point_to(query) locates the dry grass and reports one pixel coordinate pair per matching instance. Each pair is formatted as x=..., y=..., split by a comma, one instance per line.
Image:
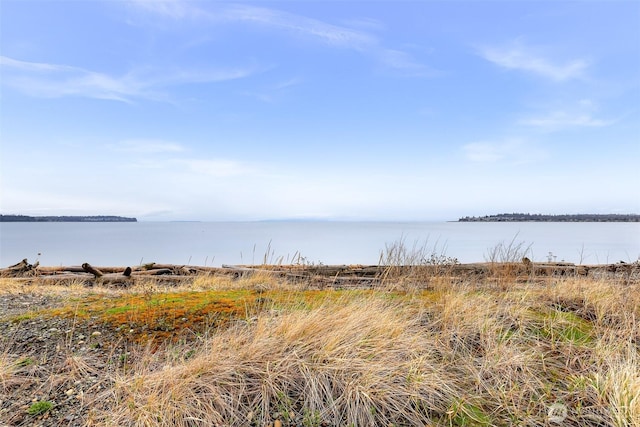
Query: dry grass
x=353, y=363
x=409, y=268
x=8, y=369
x=16, y=286
x=467, y=354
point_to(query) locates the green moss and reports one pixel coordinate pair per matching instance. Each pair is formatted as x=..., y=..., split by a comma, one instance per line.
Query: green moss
x=468, y=415
x=118, y=310
x=39, y=408
x=566, y=327
x=22, y=317
x=27, y=361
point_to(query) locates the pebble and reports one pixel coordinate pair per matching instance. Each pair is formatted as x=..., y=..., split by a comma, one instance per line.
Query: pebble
x=96, y=333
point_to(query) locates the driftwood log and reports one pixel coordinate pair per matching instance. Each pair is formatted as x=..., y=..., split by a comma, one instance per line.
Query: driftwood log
x=356, y=275
x=89, y=269
x=23, y=268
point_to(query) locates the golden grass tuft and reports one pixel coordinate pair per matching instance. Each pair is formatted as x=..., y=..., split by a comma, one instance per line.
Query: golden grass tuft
x=8, y=368
x=356, y=362
x=35, y=286
x=259, y=281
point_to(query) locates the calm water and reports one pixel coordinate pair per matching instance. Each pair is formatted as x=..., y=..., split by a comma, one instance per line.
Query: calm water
x=216, y=243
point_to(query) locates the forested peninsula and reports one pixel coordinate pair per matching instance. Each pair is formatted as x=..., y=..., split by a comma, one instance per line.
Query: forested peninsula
x=97, y=218
x=525, y=217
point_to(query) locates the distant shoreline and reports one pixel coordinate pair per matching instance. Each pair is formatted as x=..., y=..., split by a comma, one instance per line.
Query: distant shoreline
x=520, y=217
x=96, y=218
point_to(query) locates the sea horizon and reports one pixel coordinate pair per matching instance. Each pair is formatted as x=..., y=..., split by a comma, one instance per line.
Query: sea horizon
x=213, y=243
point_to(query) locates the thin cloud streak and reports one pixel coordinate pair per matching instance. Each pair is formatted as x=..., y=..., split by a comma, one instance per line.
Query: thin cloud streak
x=483, y=152
x=329, y=34
x=174, y=9
x=55, y=81
x=33, y=66
x=400, y=60
x=516, y=151
x=220, y=168
x=148, y=146
x=188, y=169
x=581, y=115
x=523, y=58
x=273, y=93
x=562, y=120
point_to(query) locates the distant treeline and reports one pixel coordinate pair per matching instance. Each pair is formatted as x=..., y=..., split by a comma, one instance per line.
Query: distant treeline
x=98, y=218
x=515, y=217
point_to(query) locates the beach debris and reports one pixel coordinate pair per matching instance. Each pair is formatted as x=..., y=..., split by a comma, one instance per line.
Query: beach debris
x=89, y=269
x=360, y=276
x=23, y=268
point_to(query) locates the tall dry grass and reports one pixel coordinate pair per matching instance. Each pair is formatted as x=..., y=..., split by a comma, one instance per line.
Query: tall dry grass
x=460, y=357
x=411, y=267
x=359, y=363
x=465, y=354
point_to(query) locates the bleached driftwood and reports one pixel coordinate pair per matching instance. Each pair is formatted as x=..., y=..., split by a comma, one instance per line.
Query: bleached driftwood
x=367, y=275
x=20, y=269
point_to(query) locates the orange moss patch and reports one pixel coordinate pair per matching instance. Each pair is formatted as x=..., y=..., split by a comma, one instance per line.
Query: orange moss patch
x=161, y=316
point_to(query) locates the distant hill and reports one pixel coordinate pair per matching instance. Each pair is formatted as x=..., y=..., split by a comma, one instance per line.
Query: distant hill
x=97, y=218
x=522, y=217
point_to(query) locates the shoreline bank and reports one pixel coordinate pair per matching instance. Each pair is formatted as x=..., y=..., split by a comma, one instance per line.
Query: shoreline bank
x=338, y=275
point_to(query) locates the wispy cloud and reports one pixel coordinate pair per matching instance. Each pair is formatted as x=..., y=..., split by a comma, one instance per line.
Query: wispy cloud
x=400, y=60
x=190, y=174
x=518, y=56
x=34, y=66
x=273, y=93
x=578, y=116
x=365, y=23
x=516, y=151
x=339, y=36
x=174, y=9
x=220, y=168
x=173, y=158
x=219, y=12
x=56, y=80
x=483, y=152
x=327, y=33
x=148, y=146
x=189, y=171
x=562, y=119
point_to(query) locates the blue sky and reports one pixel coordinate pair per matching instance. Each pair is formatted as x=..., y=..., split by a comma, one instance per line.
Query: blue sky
x=383, y=110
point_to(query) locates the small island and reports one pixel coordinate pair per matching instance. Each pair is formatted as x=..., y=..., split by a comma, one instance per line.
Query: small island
x=96, y=218
x=525, y=217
